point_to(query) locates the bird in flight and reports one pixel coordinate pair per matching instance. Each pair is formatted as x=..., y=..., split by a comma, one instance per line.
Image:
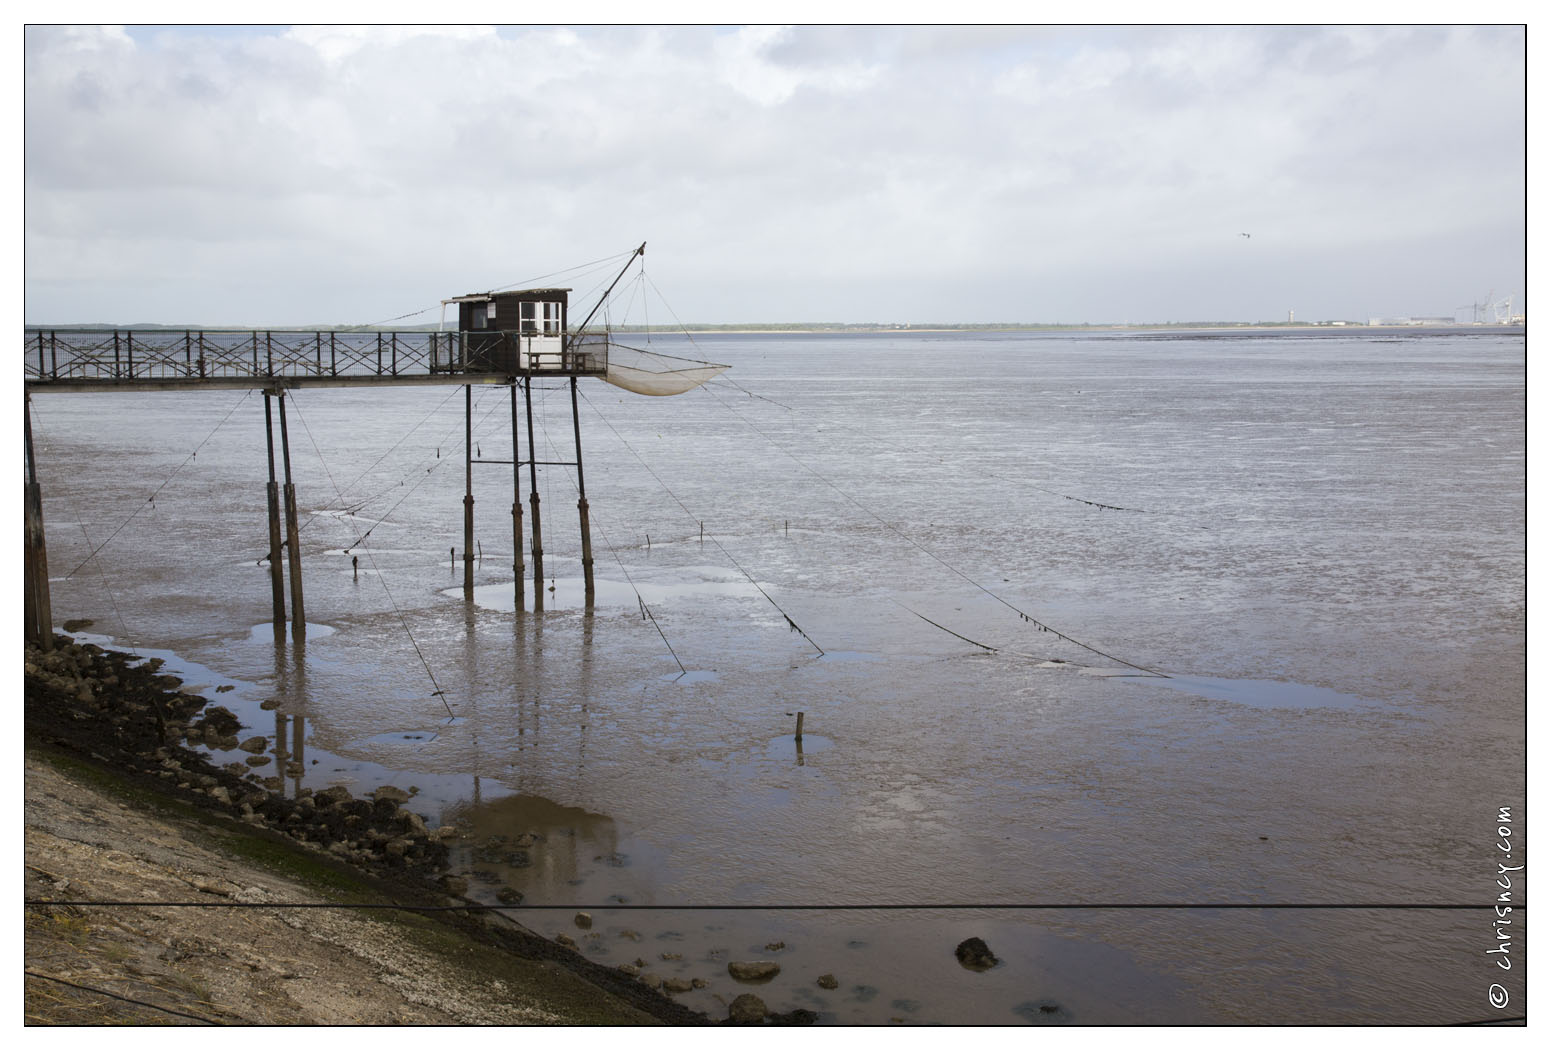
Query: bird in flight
x=1244, y=235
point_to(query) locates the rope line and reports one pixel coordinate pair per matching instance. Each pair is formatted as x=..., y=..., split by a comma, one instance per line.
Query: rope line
x=501, y=288
x=1236, y=906
x=363, y=502
x=423, y=478
x=937, y=459
x=930, y=554
x=151, y=500
x=710, y=536
x=646, y=611
x=725, y=379
x=42, y=439
x=116, y=996
x=436, y=690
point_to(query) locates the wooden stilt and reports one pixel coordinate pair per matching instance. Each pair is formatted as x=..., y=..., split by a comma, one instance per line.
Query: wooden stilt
x=272, y=492
x=292, y=533
x=39, y=611
x=518, y=569
x=581, y=504
x=533, y=500
x=468, y=493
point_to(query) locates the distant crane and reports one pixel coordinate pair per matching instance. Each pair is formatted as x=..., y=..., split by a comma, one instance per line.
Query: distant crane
x=1490, y=311
x=1477, y=310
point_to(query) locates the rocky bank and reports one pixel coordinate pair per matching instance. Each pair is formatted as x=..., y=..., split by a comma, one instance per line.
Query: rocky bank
x=120, y=808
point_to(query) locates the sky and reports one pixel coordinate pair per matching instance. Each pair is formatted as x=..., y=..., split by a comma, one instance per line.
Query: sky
x=329, y=175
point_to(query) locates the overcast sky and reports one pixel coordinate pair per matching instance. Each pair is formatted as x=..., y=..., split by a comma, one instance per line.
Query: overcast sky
x=324, y=175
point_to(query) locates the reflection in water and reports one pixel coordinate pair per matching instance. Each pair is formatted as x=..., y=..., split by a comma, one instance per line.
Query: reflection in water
x=533, y=844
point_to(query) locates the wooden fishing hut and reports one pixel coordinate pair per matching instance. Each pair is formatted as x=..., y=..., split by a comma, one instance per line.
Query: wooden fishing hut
x=503, y=338
x=524, y=334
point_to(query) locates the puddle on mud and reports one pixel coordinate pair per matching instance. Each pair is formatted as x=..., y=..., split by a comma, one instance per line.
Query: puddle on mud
x=789, y=747
x=265, y=632
x=569, y=592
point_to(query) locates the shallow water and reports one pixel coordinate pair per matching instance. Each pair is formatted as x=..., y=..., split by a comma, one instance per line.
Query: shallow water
x=1318, y=537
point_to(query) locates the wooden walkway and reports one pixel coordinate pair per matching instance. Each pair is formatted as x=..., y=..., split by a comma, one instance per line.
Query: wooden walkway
x=159, y=359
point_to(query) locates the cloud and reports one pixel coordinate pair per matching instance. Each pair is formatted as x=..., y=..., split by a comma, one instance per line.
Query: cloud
x=344, y=174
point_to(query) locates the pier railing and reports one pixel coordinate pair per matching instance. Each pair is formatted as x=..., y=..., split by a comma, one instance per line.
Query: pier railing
x=93, y=357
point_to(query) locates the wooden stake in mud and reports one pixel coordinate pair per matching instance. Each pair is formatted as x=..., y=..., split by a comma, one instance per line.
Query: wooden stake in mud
x=39, y=611
x=272, y=496
x=581, y=504
x=468, y=492
x=799, y=726
x=518, y=570
x=533, y=499
x=292, y=533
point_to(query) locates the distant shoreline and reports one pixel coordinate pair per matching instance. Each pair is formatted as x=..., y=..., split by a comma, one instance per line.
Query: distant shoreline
x=817, y=328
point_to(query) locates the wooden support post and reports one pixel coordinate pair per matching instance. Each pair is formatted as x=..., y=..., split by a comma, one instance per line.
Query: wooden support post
x=272, y=492
x=468, y=493
x=581, y=504
x=799, y=727
x=292, y=534
x=533, y=500
x=518, y=569
x=39, y=610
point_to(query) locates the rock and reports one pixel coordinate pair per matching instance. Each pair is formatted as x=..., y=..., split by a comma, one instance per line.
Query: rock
x=269, y=704
x=634, y=936
x=414, y=822
x=975, y=955
x=671, y=955
x=454, y=884
x=584, y=921
x=220, y=795
x=1043, y=1012
x=566, y=940
x=398, y=795
x=509, y=896
x=629, y=969
x=650, y=980
x=800, y=1016
x=747, y=1009
x=254, y=744
x=775, y=946
x=697, y=983
x=332, y=796
x=395, y=848
x=754, y=970
x=221, y=720
x=828, y=981
x=258, y=760
x=676, y=985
